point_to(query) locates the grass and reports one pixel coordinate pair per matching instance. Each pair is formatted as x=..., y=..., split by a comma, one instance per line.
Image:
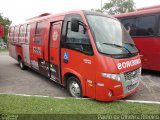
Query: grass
x=28, y=107
x=3, y=49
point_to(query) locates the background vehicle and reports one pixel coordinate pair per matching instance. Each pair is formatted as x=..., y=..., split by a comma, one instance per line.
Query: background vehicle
x=145, y=31
x=1, y=31
x=89, y=53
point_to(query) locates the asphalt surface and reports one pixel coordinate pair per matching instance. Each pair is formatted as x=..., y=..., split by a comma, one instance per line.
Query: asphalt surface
x=16, y=81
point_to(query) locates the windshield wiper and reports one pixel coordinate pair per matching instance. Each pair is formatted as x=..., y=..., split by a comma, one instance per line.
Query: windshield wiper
x=129, y=43
x=114, y=45
x=119, y=47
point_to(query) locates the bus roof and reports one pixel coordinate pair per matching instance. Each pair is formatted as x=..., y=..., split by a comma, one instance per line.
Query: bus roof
x=48, y=15
x=39, y=16
x=147, y=8
x=141, y=11
x=97, y=14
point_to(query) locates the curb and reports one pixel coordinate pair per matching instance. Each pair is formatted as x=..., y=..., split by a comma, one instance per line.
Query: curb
x=131, y=101
x=139, y=101
x=25, y=95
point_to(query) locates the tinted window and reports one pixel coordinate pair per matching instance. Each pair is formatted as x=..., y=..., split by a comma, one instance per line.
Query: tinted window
x=130, y=25
x=146, y=26
x=28, y=28
x=38, y=33
x=22, y=33
x=11, y=34
x=159, y=26
x=16, y=34
x=27, y=36
x=78, y=40
x=11, y=31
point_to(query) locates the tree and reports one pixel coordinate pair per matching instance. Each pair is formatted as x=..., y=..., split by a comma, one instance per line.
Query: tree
x=6, y=23
x=119, y=6
x=98, y=10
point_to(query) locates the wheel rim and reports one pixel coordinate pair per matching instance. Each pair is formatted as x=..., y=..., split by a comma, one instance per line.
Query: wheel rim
x=75, y=89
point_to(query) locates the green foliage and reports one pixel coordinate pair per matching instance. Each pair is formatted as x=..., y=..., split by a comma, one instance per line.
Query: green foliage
x=119, y=6
x=3, y=50
x=6, y=23
x=98, y=10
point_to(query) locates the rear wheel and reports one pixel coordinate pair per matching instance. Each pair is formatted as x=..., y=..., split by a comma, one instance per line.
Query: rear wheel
x=74, y=87
x=21, y=64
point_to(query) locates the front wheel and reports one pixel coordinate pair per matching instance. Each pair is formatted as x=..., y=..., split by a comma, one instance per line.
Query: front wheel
x=74, y=87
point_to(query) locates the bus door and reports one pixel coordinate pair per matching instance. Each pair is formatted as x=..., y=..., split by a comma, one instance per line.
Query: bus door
x=37, y=47
x=77, y=55
x=54, y=51
x=25, y=47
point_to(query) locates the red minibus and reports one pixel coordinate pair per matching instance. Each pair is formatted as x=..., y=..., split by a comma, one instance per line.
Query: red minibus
x=144, y=26
x=89, y=53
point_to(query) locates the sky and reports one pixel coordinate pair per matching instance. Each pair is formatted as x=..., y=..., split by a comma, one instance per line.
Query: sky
x=20, y=10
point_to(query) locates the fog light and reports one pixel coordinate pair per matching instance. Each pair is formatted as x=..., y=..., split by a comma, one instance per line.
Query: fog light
x=110, y=94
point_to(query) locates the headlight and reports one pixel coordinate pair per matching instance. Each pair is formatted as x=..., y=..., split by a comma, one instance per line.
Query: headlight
x=111, y=76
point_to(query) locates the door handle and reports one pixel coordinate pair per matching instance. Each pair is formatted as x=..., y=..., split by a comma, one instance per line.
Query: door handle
x=52, y=58
x=65, y=61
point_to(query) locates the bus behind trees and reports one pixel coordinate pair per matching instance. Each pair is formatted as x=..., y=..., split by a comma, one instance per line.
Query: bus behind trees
x=144, y=27
x=89, y=53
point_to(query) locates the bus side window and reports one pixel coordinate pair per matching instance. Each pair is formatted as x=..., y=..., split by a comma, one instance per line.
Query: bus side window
x=11, y=34
x=22, y=34
x=27, y=35
x=130, y=25
x=16, y=34
x=78, y=41
x=146, y=26
x=159, y=25
x=38, y=33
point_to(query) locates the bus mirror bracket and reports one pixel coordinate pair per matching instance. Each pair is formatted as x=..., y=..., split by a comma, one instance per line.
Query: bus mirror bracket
x=75, y=25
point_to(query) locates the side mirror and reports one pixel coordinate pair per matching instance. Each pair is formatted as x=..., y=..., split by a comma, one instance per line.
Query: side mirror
x=74, y=25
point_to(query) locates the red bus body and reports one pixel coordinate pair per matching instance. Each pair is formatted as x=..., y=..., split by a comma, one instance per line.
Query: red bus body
x=142, y=22
x=1, y=31
x=43, y=50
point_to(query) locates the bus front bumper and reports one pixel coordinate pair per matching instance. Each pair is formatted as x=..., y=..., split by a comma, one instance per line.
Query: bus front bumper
x=115, y=94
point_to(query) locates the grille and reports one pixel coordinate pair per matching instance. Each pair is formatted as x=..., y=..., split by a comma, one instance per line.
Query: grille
x=132, y=74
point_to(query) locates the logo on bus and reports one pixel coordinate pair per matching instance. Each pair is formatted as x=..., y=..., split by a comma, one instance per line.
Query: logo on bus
x=55, y=35
x=66, y=56
x=37, y=50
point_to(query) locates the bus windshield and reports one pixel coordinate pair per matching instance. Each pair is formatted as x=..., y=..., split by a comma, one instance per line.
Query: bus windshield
x=110, y=36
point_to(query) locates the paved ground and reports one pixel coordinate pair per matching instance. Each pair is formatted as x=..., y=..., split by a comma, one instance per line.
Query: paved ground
x=149, y=88
x=14, y=80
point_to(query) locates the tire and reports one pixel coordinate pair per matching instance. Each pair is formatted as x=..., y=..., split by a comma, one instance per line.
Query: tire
x=74, y=87
x=21, y=64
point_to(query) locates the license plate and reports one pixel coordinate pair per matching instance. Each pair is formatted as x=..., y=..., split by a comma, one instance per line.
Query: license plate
x=134, y=81
x=132, y=84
